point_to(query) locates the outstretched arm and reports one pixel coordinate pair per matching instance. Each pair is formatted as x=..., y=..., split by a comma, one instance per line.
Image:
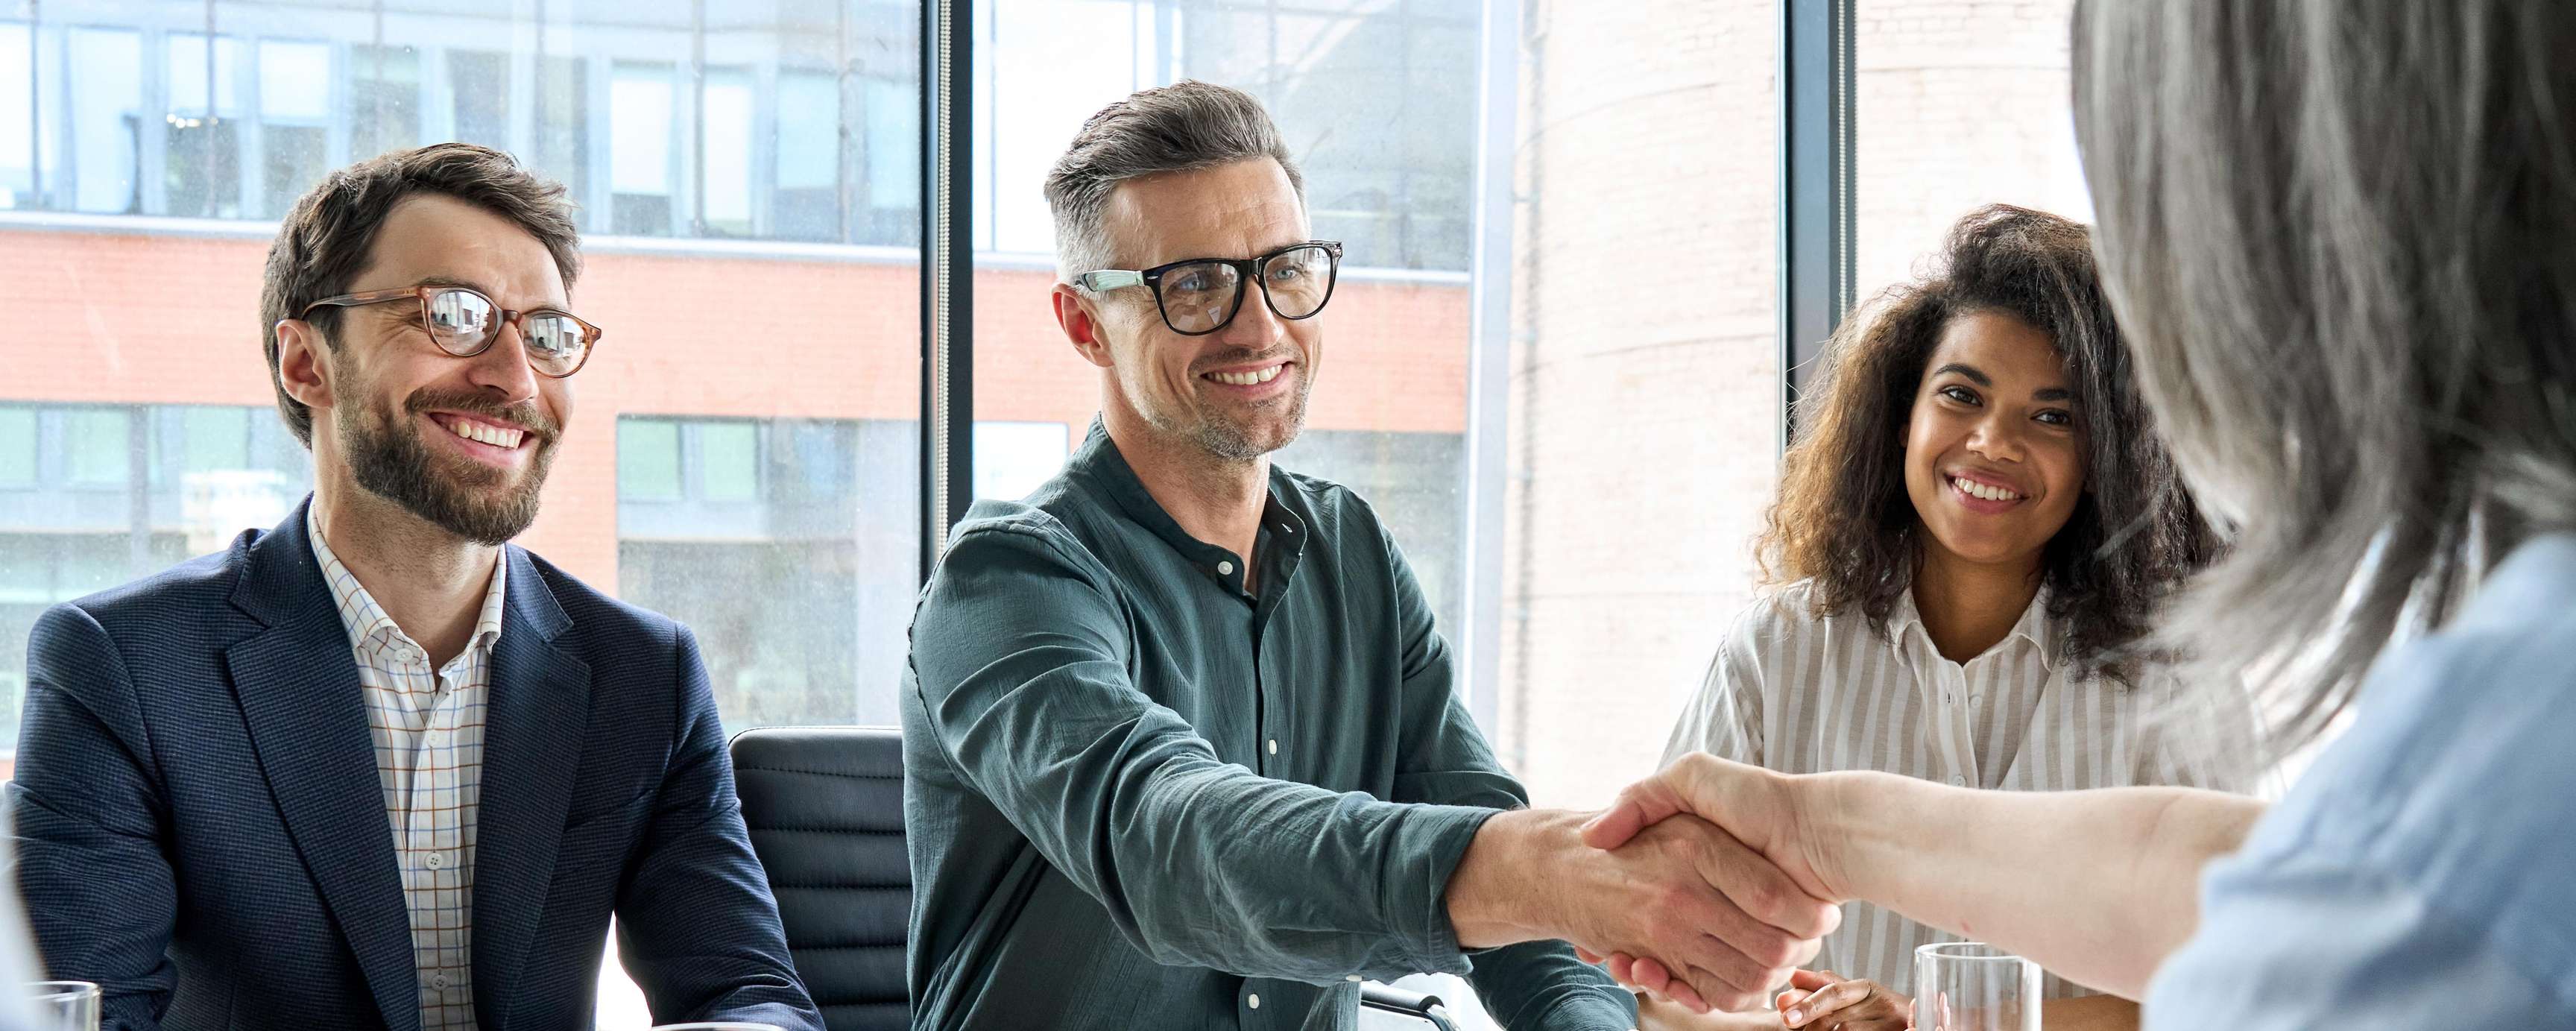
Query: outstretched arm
x=2098, y=885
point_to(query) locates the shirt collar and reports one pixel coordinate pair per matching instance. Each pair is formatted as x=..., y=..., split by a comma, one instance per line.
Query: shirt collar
x=1099, y=463
x=2034, y=626
x=366, y=621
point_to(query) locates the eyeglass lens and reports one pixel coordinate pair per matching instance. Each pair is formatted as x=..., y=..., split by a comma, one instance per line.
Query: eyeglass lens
x=462, y=323
x=1202, y=296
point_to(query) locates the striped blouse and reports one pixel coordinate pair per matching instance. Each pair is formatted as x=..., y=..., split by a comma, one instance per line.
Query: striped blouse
x=1799, y=693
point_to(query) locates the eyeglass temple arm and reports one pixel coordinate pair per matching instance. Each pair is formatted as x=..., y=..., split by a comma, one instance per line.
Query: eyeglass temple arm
x=1109, y=279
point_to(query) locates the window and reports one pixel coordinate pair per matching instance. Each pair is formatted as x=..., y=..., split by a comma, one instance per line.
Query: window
x=727, y=116
x=202, y=174
x=105, y=122
x=648, y=459
x=805, y=204
x=98, y=452
x=17, y=116
x=17, y=445
x=640, y=120
x=384, y=100
x=1014, y=458
x=295, y=113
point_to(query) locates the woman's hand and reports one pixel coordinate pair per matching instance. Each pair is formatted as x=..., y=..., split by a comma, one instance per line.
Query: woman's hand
x=1822, y=1000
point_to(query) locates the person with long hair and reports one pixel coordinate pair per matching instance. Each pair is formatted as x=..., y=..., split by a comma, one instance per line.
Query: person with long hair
x=1974, y=530
x=2338, y=236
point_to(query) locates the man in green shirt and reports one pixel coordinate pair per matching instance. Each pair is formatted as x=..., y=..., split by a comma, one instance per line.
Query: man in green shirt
x=1181, y=745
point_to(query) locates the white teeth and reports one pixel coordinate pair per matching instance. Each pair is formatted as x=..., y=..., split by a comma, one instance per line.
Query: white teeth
x=1247, y=379
x=492, y=435
x=1978, y=490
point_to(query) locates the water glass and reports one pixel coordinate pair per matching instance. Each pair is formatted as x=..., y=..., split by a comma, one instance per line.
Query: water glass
x=62, y=1005
x=1972, y=986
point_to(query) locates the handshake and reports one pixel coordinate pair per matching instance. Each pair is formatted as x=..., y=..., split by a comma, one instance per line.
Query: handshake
x=1702, y=883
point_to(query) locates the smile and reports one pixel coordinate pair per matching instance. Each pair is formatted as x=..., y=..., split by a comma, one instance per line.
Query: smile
x=1251, y=378
x=1982, y=492
x=479, y=432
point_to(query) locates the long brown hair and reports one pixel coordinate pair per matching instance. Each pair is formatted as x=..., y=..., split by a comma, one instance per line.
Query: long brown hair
x=1843, y=519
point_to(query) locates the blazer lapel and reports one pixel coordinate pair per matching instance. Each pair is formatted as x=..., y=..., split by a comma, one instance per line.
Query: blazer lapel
x=297, y=685
x=535, y=721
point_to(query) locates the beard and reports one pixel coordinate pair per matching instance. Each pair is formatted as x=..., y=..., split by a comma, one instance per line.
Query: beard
x=1227, y=433
x=387, y=458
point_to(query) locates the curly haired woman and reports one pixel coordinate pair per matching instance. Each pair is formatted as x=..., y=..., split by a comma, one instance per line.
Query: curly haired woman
x=1975, y=528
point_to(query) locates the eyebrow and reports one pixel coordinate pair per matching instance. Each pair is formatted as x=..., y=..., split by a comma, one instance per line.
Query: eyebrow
x=453, y=281
x=1983, y=380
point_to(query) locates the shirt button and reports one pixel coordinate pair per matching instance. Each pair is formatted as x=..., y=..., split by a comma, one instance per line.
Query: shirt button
x=1353, y=977
x=1254, y=1001
x=1274, y=746
x=1225, y=568
x=439, y=982
x=1958, y=782
x=434, y=863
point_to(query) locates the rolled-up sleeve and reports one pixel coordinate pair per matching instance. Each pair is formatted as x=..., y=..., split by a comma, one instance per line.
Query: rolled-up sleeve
x=1019, y=653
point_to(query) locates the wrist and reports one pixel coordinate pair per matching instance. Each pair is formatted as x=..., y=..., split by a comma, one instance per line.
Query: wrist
x=1490, y=896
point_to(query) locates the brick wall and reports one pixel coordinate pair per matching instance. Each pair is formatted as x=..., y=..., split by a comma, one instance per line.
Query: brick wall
x=163, y=319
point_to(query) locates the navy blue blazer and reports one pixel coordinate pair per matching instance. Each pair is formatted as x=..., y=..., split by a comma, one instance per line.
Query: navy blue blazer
x=201, y=828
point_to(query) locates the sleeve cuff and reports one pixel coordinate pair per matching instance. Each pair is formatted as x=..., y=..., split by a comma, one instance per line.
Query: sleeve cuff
x=1435, y=837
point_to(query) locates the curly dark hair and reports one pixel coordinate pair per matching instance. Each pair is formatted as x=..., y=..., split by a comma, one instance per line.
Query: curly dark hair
x=1843, y=519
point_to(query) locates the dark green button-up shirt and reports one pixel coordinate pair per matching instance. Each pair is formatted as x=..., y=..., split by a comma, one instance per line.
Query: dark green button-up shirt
x=1139, y=797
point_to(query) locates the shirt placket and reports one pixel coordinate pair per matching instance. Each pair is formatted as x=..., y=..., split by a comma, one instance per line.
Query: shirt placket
x=1946, y=692
x=437, y=835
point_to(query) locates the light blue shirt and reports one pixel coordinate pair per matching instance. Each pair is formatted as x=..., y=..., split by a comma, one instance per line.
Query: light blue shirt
x=2423, y=873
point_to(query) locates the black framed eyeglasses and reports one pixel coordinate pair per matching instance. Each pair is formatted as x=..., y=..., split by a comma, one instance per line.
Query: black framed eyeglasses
x=464, y=323
x=1199, y=296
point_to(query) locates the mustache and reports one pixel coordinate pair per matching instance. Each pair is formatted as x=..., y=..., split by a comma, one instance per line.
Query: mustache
x=524, y=414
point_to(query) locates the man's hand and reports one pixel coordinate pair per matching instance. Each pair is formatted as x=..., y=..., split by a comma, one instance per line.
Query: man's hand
x=1758, y=809
x=1823, y=999
x=1730, y=925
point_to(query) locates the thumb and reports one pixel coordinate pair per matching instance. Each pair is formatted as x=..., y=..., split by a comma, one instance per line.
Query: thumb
x=1639, y=806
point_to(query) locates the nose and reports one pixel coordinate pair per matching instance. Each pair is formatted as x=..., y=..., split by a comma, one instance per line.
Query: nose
x=1255, y=326
x=1996, y=437
x=503, y=367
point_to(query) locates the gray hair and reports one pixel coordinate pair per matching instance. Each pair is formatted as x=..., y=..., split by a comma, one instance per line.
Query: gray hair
x=2337, y=235
x=1182, y=127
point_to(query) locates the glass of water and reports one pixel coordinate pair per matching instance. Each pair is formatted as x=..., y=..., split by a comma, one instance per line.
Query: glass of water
x=1972, y=986
x=63, y=1005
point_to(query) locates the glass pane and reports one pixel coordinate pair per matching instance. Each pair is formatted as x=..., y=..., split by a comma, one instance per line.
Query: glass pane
x=215, y=438
x=648, y=460
x=103, y=121
x=17, y=445
x=17, y=116
x=640, y=124
x=97, y=440
x=384, y=100
x=727, y=105
x=728, y=461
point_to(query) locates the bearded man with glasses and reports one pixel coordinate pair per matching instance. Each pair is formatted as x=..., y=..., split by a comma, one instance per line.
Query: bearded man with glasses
x=1182, y=743
x=377, y=768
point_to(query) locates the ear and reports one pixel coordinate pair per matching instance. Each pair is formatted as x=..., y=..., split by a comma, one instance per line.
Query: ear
x=1081, y=325
x=301, y=369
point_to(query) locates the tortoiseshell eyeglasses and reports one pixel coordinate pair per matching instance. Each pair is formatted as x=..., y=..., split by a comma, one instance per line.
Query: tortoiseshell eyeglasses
x=464, y=323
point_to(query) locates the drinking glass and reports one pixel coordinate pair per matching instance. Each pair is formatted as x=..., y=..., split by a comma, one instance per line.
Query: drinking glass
x=63, y=1005
x=1972, y=986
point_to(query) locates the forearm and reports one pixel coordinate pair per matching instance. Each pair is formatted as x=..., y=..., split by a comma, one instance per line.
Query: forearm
x=2097, y=886
x=2090, y=1013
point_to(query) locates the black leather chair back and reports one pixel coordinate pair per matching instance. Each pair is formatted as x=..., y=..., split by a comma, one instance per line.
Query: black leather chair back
x=825, y=810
